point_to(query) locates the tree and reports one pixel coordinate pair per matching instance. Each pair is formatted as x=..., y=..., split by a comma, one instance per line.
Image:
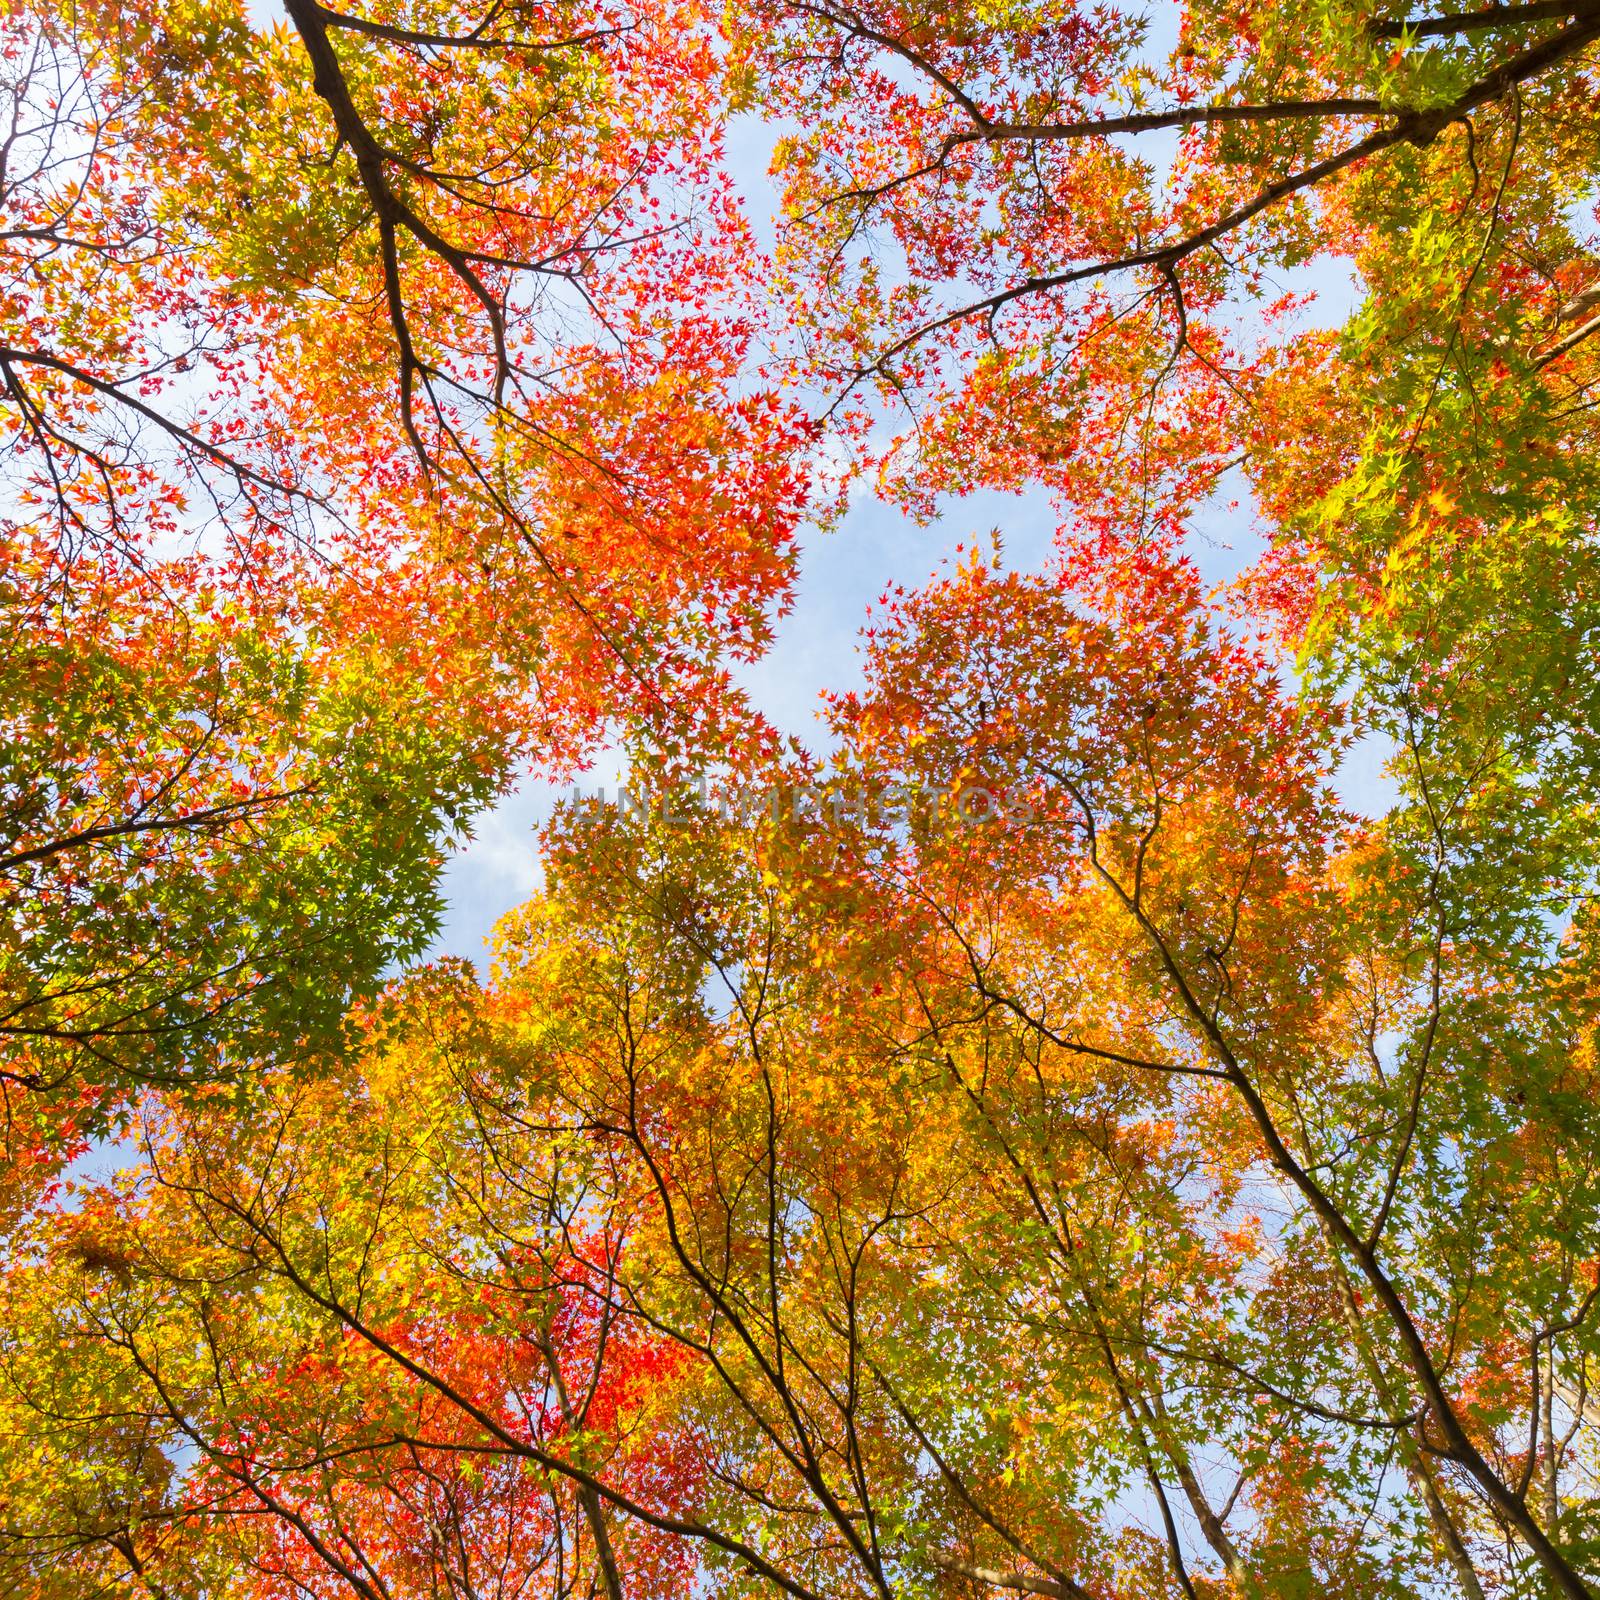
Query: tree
x=218, y=833
x=1041, y=1142
x=365, y=446
x=1037, y=228
x=1056, y=1142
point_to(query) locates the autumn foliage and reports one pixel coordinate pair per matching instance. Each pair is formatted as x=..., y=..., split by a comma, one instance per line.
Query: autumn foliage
x=1056, y=1132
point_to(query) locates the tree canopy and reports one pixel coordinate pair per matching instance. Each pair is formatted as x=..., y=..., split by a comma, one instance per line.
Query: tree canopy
x=1043, y=1135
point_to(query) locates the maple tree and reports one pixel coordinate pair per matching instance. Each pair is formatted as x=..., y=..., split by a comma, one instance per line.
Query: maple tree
x=1043, y=1141
x=216, y=834
x=363, y=447
x=1037, y=229
x=947, y=1171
